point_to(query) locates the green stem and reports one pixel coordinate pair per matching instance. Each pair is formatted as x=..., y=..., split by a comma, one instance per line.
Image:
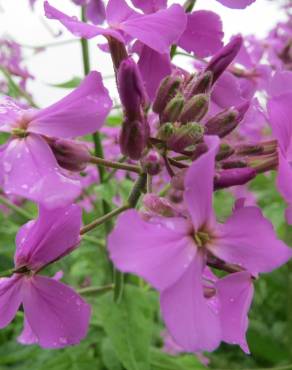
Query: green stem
x=116, y=165
x=15, y=208
x=103, y=219
x=95, y=290
x=17, y=88
x=48, y=45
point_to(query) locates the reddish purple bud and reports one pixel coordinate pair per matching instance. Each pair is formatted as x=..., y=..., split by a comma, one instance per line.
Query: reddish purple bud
x=195, y=108
x=224, y=58
x=232, y=177
x=133, y=138
x=226, y=121
x=199, y=84
x=264, y=163
x=71, y=155
x=131, y=89
x=159, y=206
x=167, y=90
x=268, y=147
x=173, y=109
x=152, y=163
x=118, y=51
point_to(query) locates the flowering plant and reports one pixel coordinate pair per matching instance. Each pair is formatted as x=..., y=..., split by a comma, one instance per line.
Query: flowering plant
x=164, y=212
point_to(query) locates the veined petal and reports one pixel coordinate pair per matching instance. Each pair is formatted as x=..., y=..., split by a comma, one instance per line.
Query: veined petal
x=150, y=6
x=249, y=240
x=57, y=315
x=190, y=320
x=95, y=11
x=54, y=234
x=203, y=34
x=79, y=113
x=10, y=112
x=199, y=186
x=78, y=28
x=118, y=11
x=158, y=252
x=10, y=298
x=235, y=293
x=159, y=30
x=31, y=171
x=280, y=114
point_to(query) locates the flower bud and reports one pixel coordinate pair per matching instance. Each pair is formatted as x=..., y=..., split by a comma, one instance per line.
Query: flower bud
x=222, y=123
x=195, y=108
x=71, y=155
x=232, y=177
x=267, y=147
x=173, y=109
x=199, y=84
x=224, y=57
x=131, y=89
x=184, y=136
x=166, y=131
x=152, y=163
x=177, y=181
x=224, y=152
x=133, y=138
x=264, y=163
x=159, y=206
x=167, y=90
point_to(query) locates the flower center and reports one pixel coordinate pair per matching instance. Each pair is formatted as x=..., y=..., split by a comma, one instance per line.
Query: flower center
x=202, y=238
x=19, y=132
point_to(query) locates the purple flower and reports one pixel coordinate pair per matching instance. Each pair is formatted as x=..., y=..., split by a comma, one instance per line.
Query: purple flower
x=158, y=31
x=55, y=315
x=29, y=167
x=171, y=254
x=95, y=10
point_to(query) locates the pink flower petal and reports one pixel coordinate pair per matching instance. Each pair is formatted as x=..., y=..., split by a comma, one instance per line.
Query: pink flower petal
x=57, y=315
x=10, y=298
x=248, y=239
x=150, y=6
x=159, y=252
x=118, y=11
x=27, y=336
x=159, y=30
x=80, y=113
x=203, y=34
x=31, y=171
x=77, y=27
x=54, y=234
x=189, y=319
x=199, y=185
x=235, y=293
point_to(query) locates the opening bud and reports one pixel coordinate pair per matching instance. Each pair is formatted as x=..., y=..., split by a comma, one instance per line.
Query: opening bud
x=173, y=109
x=131, y=89
x=224, y=58
x=195, y=108
x=167, y=90
x=71, y=155
x=231, y=177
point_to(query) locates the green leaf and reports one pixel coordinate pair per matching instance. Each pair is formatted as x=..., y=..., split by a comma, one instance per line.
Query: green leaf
x=163, y=361
x=71, y=84
x=128, y=325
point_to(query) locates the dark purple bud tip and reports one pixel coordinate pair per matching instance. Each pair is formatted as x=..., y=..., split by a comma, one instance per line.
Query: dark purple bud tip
x=232, y=177
x=199, y=84
x=195, y=108
x=133, y=138
x=224, y=58
x=131, y=89
x=71, y=155
x=168, y=88
x=222, y=123
x=152, y=163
